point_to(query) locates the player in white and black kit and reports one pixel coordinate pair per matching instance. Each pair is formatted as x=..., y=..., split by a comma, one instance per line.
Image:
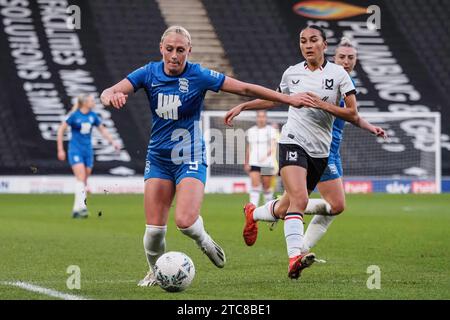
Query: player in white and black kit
x=305, y=139
x=259, y=158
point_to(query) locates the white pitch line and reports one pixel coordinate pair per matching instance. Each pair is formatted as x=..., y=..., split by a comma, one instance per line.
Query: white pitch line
x=42, y=290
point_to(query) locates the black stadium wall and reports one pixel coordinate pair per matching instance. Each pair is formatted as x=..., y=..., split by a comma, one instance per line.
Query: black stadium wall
x=44, y=65
x=393, y=74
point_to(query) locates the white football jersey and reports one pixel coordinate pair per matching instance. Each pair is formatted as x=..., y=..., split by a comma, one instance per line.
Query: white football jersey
x=260, y=143
x=311, y=128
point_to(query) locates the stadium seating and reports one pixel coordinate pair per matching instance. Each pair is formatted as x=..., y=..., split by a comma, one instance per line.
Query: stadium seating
x=426, y=26
x=256, y=39
x=259, y=42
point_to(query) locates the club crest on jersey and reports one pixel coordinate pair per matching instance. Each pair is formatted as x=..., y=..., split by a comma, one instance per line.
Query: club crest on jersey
x=328, y=84
x=183, y=85
x=292, y=156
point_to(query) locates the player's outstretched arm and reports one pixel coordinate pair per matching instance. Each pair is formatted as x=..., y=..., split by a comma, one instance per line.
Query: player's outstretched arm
x=59, y=141
x=255, y=91
x=366, y=125
x=117, y=95
x=105, y=133
x=349, y=113
x=257, y=104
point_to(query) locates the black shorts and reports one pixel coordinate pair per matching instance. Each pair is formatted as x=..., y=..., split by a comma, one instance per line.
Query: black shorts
x=294, y=155
x=265, y=171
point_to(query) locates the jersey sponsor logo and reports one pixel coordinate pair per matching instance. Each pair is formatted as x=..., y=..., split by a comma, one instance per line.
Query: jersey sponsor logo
x=325, y=98
x=168, y=106
x=328, y=83
x=292, y=156
x=183, y=85
x=295, y=82
x=157, y=85
x=85, y=128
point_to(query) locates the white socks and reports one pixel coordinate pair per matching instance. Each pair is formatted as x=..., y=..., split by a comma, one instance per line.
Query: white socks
x=196, y=231
x=265, y=212
x=318, y=206
x=80, y=196
x=316, y=229
x=254, y=195
x=293, y=232
x=154, y=243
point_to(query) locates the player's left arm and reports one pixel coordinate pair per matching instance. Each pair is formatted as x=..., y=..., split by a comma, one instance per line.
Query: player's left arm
x=272, y=143
x=105, y=133
x=366, y=125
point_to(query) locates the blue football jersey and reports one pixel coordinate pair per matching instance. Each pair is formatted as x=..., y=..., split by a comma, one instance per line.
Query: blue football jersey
x=81, y=125
x=338, y=131
x=176, y=103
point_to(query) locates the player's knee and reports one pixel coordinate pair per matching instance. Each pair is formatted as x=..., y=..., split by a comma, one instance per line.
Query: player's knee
x=185, y=220
x=337, y=208
x=298, y=203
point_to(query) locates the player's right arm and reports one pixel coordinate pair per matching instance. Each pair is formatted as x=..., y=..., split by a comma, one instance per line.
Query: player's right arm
x=59, y=141
x=117, y=95
x=257, y=104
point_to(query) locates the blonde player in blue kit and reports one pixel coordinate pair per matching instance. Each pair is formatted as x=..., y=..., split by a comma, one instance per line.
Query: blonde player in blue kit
x=81, y=120
x=176, y=160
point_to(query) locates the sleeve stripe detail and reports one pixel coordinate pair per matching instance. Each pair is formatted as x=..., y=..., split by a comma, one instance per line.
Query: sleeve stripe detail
x=350, y=93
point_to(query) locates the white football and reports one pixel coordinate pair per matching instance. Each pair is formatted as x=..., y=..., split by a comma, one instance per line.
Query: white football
x=174, y=271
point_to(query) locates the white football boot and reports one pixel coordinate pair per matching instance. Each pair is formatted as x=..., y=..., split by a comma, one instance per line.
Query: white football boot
x=214, y=252
x=149, y=280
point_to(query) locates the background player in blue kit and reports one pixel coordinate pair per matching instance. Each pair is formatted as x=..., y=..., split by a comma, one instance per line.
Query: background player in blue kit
x=81, y=120
x=176, y=161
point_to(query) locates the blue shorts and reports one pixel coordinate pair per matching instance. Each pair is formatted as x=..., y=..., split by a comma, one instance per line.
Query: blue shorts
x=333, y=169
x=77, y=155
x=174, y=172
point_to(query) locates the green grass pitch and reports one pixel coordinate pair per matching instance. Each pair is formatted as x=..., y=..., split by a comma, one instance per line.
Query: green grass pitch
x=406, y=236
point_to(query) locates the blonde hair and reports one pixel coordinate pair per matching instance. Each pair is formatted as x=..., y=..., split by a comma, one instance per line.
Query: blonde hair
x=79, y=101
x=346, y=42
x=179, y=30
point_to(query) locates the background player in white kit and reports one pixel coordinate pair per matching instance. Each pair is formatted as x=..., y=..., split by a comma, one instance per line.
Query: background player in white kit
x=305, y=139
x=259, y=158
